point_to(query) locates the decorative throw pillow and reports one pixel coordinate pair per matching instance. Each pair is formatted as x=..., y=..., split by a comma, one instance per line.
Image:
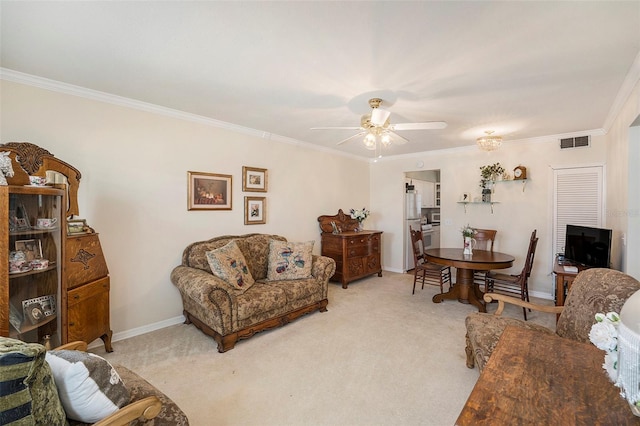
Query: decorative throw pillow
x=28, y=394
x=228, y=264
x=289, y=261
x=89, y=387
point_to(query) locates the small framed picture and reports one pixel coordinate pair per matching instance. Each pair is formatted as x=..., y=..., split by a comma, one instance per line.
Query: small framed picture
x=254, y=179
x=209, y=191
x=466, y=197
x=255, y=210
x=76, y=226
x=33, y=311
x=32, y=249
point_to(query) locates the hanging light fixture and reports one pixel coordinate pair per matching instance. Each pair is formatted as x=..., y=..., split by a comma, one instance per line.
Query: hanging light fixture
x=370, y=141
x=488, y=142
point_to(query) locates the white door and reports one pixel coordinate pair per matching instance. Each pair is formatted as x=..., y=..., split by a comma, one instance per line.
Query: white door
x=577, y=199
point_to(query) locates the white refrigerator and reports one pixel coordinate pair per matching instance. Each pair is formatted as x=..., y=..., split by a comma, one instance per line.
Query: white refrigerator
x=412, y=213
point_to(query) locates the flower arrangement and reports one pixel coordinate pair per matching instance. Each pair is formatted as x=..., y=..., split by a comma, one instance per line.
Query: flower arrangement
x=604, y=335
x=468, y=231
x=360, y=215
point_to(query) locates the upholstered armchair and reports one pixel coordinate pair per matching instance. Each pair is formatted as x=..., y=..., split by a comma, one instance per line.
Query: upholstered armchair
x=594, y=290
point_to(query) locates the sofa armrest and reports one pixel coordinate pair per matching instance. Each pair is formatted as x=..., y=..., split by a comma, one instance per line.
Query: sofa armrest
x=502, y=299
x=212, y=296
x=322, y=269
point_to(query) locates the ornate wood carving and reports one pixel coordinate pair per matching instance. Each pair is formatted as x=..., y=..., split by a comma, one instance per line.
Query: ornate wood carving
x=343, y=221
x=36, y=161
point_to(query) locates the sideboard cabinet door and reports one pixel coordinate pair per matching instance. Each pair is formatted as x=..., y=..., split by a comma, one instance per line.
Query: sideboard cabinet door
x=87, y=290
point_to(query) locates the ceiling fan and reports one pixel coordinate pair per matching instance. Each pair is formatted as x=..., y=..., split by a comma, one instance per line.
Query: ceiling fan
x=376, y=126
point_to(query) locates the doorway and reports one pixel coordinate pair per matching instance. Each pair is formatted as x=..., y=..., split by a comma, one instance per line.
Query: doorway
x=421, y=209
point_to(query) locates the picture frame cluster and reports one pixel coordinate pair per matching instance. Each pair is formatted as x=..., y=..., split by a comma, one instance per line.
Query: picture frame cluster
x=213, y=191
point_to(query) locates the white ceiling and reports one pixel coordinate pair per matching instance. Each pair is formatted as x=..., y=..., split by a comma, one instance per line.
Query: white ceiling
x=523, y=69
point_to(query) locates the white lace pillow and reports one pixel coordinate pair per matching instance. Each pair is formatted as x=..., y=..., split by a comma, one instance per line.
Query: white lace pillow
x=89, y=387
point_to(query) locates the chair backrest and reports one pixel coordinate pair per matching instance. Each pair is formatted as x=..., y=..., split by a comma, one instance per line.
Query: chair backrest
x=531, y=254
x=418, y=246
x=593, y=290
x=485, y=238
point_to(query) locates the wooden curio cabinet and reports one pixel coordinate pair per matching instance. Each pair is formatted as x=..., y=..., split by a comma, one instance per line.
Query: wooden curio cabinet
x=357, y=253
x=31, y=274
x=68, y=298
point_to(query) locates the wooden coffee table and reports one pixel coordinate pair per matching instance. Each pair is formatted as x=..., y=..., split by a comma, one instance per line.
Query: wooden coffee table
x=533, y=378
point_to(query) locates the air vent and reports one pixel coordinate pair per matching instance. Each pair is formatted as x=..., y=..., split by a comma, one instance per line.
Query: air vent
x=576, y=142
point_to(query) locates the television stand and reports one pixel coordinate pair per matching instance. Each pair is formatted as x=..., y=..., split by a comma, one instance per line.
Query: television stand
x=565, y=277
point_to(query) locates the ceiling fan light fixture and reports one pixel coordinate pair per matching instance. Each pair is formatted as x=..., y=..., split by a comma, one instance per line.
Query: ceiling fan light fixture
x=489, y=142
x=386, y=139
x=370, y=141
x=379, y=116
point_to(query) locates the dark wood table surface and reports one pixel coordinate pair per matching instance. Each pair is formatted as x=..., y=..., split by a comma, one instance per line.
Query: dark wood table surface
x=481, y=260
x=534, y=378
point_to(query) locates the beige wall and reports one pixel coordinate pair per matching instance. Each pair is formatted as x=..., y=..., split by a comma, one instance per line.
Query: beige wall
x=623, y=214
x=134, y=188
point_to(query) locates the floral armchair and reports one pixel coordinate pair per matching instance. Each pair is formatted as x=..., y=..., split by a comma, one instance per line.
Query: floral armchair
x=594, y=290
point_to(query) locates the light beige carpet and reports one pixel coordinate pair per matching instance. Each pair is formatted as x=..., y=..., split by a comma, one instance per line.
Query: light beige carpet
x=379, y=356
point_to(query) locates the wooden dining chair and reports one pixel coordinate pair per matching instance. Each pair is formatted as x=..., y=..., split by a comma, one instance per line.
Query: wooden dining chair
x=427, y=271
x=484, y=241
x=515, y=284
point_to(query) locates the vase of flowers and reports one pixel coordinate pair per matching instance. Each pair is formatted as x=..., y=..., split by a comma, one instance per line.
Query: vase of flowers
x=360, y=216
x=468, y=232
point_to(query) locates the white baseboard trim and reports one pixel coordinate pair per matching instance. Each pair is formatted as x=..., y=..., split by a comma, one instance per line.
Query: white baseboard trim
x=140, y=330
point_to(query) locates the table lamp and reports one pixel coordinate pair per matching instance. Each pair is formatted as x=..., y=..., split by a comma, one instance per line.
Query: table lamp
x=629, y=352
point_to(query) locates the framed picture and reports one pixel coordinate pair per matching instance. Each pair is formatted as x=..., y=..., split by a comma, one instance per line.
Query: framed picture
x=254, y=179
x=33, y=311
x=32, y=249
x=76, y=226
x=209, y=191
x=466, y=197
x=255, y=210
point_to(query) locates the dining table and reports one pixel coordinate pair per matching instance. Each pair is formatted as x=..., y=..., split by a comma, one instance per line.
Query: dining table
x=464, y=289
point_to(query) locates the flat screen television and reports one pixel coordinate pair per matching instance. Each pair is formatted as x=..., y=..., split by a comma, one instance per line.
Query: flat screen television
x=588, y=246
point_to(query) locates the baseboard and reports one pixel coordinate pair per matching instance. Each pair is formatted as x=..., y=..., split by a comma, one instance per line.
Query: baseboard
x=140, y=330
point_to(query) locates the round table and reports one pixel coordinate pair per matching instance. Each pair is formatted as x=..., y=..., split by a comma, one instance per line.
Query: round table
x=464, y=289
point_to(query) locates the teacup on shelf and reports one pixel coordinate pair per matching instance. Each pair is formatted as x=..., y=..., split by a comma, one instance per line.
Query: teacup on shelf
x=38, y=264
x=46, y=222
x=37, y=180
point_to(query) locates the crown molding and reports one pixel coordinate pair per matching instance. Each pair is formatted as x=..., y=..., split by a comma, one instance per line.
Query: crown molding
x=83, y=92
x=630, y=81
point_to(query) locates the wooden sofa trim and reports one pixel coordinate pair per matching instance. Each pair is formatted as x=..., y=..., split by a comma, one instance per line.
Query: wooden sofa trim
x=228, y=341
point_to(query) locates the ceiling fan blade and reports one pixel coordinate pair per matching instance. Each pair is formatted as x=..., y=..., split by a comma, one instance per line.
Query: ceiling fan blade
x=400, y=140
x=336, y=128
x=351, y=137
x=429, y=125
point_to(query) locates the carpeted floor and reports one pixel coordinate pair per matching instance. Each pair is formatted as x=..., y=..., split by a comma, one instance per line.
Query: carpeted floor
x=379, y=356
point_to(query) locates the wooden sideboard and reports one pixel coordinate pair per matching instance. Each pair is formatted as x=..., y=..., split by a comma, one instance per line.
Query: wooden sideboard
x=357, y=253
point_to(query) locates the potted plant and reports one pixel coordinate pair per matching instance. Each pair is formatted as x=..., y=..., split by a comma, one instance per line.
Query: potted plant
x=488, y=175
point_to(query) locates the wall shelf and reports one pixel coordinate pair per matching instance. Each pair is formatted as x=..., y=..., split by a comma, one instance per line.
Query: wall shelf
x=491, y=203
x=524, y=182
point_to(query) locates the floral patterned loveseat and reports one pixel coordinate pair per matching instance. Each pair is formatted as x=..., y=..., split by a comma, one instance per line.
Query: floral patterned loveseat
x=228, y=313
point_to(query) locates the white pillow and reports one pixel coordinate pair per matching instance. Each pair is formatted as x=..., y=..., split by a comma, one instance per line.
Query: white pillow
x=89, y=387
